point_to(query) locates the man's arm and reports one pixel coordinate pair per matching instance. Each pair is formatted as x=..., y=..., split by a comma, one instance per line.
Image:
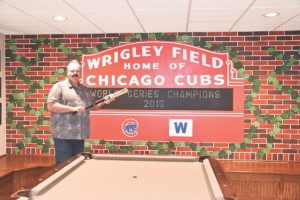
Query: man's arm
x=108, y=100
x=60, y=108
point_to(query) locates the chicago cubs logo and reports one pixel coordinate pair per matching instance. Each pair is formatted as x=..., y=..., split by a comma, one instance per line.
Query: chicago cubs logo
x=130, y=127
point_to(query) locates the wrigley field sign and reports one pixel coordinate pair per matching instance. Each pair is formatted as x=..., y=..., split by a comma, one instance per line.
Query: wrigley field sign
x=177, y=92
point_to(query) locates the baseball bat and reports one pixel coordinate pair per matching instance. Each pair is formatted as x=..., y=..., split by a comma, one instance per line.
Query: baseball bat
x=113, y=95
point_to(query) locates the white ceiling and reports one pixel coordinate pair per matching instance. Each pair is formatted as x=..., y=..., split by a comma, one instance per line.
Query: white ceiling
x=128, y=16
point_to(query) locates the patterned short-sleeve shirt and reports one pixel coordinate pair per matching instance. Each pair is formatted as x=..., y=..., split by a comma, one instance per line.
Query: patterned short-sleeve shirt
x=68, y=125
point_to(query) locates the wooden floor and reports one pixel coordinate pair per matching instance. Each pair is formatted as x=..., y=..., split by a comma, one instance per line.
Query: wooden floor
x=261, y=166
x=250, y=180
x=18, y=171
x=10, y=163
x=262, y=180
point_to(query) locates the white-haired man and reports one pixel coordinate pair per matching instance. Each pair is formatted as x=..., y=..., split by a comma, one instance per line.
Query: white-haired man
x=66, y=98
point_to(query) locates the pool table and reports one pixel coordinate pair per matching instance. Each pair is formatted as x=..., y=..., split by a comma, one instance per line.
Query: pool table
x=134, y=177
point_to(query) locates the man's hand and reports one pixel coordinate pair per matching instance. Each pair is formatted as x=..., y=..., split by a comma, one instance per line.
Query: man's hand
x=109, y=98
x=79, y=109
x=60, y=108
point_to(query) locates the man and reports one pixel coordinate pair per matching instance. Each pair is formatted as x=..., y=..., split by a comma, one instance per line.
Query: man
x=70, y=123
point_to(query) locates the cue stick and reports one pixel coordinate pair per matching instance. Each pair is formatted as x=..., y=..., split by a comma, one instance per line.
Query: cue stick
x=107, y=97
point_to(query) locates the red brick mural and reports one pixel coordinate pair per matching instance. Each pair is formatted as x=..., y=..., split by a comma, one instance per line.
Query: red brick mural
x=267, y=61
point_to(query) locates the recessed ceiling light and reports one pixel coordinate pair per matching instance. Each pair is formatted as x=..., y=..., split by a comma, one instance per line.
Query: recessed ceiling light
x=60, y=18
x=271, y=14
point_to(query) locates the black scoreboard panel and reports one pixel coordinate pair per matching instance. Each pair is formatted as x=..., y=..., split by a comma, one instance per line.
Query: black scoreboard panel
x=170, y=98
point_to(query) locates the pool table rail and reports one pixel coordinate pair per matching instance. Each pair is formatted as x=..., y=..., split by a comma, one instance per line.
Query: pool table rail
x=223, y=182
x=25, y=193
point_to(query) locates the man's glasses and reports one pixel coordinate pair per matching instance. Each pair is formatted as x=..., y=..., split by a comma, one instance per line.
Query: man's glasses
x=73, y=71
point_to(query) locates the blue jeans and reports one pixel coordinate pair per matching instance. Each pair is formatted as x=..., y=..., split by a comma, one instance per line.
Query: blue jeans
x=65, y=149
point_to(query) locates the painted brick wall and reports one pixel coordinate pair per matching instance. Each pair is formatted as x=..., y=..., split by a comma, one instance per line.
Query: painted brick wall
x=252, y=49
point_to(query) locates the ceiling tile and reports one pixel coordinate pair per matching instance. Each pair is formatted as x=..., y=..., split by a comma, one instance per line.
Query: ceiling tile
x=293, y=24
x=162, y=15
x=215, y=15
x=122, y=27
x=98, y=5
x=255, y=26
x=275, y=3
x=101, y=17
x=217, y=4
x=47, y=16
x=159, y=4
x=257, y=13
x=169, y=26
x=35, y=29
x=4, y=8
x=16, y=18
x=38, y=5
x=76, y=27
x=259, y=22
x=209, y=26
x=10, y=29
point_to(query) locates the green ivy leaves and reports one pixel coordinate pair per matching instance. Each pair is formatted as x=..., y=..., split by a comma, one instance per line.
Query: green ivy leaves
x=17, y=98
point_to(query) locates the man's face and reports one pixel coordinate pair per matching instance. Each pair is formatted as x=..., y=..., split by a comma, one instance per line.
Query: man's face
x=74, y=72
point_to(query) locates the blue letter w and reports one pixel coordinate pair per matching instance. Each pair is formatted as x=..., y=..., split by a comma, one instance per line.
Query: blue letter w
x=180, y=127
